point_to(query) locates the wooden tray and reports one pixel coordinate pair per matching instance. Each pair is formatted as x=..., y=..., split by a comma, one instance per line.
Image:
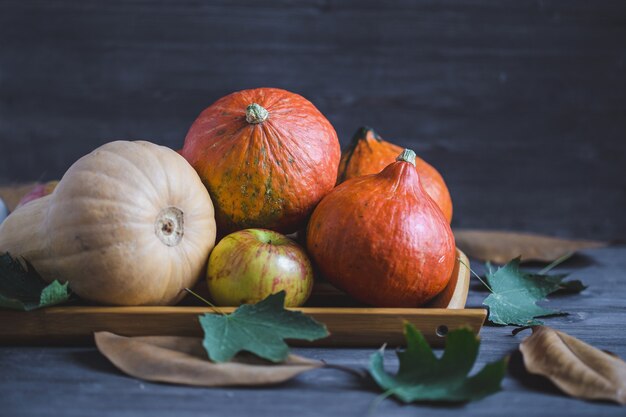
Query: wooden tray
x=349, y=326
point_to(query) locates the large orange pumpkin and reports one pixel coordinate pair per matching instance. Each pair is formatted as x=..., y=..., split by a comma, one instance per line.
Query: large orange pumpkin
x=368, y=154
x=267, y=157
x=382, y=240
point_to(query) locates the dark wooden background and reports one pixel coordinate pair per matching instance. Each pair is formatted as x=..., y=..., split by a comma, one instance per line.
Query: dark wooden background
x=520, y=104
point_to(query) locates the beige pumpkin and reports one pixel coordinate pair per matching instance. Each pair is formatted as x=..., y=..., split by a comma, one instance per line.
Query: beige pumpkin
x=129, y=224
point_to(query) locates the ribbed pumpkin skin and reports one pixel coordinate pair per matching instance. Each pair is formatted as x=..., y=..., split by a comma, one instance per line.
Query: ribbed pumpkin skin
x=105, y=228
x=266, y=175
x=368, y=154
x=381, y=239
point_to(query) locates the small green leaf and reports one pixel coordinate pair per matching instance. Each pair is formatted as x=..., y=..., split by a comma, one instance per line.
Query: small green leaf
x=515, y=293
x=22, y=288
x=423, y=377
x=54, y=293
x=258, y=328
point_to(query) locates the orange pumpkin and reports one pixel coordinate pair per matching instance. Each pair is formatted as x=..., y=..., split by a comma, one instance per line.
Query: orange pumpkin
x=368, y=154
x=267, y=157
x=382, y=240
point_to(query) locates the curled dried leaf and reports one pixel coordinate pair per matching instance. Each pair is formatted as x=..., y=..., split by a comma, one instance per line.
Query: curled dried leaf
x=183, y=360
x=578, y=369
x=499, y=247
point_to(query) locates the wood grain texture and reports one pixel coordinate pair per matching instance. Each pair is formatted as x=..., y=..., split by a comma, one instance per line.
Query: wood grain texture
x=519, y=103
x=75, y=382
x=348, y=326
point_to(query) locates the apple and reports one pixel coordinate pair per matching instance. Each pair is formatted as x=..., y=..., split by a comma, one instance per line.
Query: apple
x=248, y=265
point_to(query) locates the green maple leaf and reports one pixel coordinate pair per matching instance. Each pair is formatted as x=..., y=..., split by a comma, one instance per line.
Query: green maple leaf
x=423, y=377
x=23, y=289
x=515, y=293
x=258, y=328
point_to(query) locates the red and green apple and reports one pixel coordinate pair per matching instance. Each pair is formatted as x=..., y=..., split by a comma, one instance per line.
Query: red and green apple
x=247, y=266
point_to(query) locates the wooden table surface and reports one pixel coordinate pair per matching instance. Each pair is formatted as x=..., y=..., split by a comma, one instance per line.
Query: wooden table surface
x=78, y=381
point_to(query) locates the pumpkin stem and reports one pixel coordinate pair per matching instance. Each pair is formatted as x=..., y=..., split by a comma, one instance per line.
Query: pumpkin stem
x=256, y=114
x=362, y=133
x=169, y=226
x=407, y=155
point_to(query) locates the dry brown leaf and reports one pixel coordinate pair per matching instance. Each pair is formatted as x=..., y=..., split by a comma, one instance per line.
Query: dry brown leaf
x=183, y=360
x=500, y=247
x=577, y=368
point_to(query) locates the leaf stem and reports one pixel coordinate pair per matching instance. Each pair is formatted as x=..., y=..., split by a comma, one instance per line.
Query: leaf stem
x=476, y=275
x=210, y=304
x=362, y=374
x=520, y=329
x=376, y=401
x=556, y=263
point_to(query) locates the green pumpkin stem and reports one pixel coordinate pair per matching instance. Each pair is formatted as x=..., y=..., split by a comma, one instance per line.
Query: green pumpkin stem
x=256, y=114
x=407, y=155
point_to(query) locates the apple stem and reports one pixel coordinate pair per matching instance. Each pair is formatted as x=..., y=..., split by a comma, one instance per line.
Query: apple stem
x=210, y=304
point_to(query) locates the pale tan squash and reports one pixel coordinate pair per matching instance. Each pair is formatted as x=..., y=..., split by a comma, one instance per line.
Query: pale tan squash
x=129, y=224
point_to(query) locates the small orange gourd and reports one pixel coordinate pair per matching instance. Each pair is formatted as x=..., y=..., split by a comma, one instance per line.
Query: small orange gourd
x=368, y=154
x=382, y=239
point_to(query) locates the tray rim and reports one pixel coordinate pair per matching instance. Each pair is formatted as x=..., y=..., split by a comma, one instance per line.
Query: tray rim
x=201, y=310
x=348, y=326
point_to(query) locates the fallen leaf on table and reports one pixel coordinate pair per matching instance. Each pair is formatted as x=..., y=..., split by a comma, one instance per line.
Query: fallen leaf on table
x=515, y=293
x=22, y=288
x=578, y=369
x=182, y=360
x=499, y=246
x=423, y=377
x=258, y=328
